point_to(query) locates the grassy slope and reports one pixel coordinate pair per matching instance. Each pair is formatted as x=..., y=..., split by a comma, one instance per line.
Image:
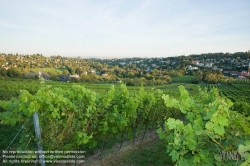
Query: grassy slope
x=56, y=71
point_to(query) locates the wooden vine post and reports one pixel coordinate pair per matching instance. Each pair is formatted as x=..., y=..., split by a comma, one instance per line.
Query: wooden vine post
x=38, y=136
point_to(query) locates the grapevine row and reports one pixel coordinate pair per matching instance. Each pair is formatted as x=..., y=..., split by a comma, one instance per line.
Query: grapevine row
x=78, y=118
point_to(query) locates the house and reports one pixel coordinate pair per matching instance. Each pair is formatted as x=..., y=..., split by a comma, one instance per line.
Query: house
x=237, y=74
x=193, y=68
x=43, y=75
x=75, y=76
x=196, y=62
x=189, y=67
x=104, y=75
x=153, y=65
x=216, y=68
x=200, y=64
x=122, y=63
x=64, y=78
x=226, y=73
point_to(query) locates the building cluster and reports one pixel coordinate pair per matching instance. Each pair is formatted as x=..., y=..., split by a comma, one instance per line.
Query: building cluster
x=235, y=67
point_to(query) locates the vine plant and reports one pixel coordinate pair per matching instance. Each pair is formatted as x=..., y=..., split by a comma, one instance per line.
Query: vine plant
x=210, y=128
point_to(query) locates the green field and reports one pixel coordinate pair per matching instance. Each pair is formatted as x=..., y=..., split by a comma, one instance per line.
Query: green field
x=184, y=79
x=236, y=92
x=11, y=87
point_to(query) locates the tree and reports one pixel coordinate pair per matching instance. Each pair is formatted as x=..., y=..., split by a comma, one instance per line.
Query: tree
x=65, y=72
x=3, y=72
x=14, y=72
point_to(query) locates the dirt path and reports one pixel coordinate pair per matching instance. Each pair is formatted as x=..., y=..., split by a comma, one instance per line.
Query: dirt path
x=114, y=156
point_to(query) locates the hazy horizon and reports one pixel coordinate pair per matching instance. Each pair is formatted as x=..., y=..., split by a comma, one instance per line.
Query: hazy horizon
x=124, y=29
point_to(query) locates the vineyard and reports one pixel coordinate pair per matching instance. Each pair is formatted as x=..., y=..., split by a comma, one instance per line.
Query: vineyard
x=237, y=81
x=194, y=123
x=235, y=92
x=11, y=88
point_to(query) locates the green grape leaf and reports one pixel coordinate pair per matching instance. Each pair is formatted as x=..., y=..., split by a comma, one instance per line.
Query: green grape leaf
x=209, y=125
x=223, y=121
x=183, y=162
x=175, y=155
x=219, y=129
x=184, y=92
x=199, y=132
x=172, y=123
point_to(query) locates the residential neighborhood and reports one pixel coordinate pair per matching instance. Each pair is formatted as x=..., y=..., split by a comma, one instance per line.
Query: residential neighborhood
x=58, y=68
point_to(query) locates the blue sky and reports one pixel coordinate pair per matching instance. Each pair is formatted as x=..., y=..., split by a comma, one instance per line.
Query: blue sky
x=124, y=28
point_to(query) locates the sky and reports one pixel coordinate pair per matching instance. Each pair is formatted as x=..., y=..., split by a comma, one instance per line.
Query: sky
x=124, y=28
